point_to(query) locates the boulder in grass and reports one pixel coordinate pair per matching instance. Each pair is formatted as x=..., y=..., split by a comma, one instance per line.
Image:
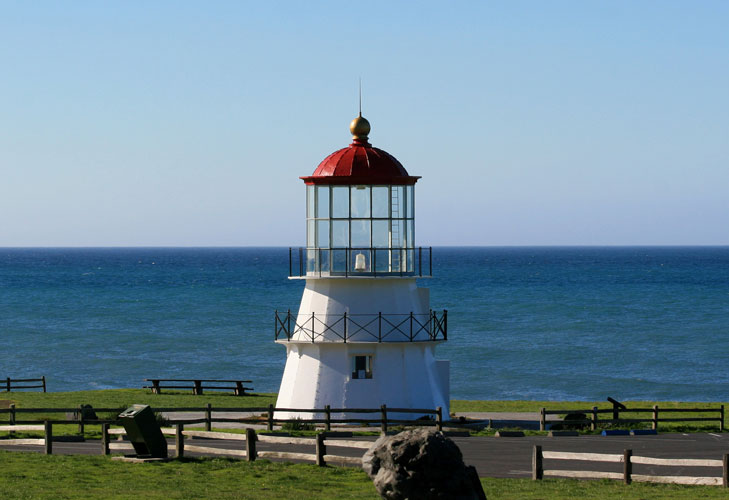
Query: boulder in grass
x=423, y=465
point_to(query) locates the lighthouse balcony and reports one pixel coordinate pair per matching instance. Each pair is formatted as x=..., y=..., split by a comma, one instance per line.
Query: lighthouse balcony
x=378, y=327
x=346, y=262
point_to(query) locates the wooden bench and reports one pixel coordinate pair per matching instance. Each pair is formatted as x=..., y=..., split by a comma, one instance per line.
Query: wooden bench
x=157, y=384
x=11, y=384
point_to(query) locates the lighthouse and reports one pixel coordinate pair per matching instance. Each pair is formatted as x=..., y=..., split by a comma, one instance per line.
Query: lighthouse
x=364, y=334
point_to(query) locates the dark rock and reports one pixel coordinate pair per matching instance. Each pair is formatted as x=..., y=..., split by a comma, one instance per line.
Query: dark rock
x=421, y=465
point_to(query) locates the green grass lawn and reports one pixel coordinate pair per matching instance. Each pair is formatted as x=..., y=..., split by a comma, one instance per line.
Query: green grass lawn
x=35, y=476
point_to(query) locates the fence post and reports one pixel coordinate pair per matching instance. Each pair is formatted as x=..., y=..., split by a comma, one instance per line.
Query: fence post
x=12, y=417
x=725, y=471
x=49, y=437
x=269, y=426
x=7, y=384
x=543, y=419
x=321, y=450
x=627, y=466
x=43, y=378
x=721, y=422
x=537, y=467
x=439, y=419
x=208, y=417
x=179, y=441
x=251, y=444
x=593, y=425
x=81, y=420
x=383, y=423
x=104, y=439
x=328, y=418
x=655, y=418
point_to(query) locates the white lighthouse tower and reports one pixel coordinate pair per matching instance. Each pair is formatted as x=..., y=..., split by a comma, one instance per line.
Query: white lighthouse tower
x=365, y=334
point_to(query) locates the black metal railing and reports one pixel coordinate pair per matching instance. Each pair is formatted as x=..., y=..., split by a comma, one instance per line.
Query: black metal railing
x=377, y=327
x=356, y=261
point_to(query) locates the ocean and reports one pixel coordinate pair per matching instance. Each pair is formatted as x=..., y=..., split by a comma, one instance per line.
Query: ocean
x=541, y=323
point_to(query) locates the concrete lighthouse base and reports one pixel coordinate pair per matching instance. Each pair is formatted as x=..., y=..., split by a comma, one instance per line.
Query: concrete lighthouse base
x=398, y=374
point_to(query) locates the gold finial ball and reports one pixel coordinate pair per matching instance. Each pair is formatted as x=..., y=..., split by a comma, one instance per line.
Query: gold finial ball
x=360, y=127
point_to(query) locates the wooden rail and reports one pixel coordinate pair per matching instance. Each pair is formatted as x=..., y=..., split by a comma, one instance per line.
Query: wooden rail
x=655, y=416
x=385, y=416
x=11, y=384
x=319, y=443
x=627, y=459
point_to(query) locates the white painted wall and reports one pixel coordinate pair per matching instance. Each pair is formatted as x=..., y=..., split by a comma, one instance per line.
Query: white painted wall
x=404, y=375
x=330, y=298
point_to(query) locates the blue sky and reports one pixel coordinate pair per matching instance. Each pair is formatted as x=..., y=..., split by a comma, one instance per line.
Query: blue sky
x=532, y=123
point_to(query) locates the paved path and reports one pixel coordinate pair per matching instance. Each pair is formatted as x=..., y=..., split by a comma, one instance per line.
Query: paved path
x=511, y=457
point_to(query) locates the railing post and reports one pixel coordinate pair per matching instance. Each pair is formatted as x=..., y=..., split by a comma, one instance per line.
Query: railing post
x=301, y=262
x=288, y=320
x=543, y=419
x=439, y=419
x=269, y=425
x=313, y=327
x=725, y=471
x=104, y=439
x=411, y=326
x=328, y=418
x=290, y=267
x=420, y=261
x=321, y=450
x=379, y=326
x=655, y=418
x=627, y=466
x=537, y=467
x=43, y=378
x=383, y=423
x=179, y=441
x=345, y=327
x=721, y=422
x=445, y=324
x=49, y=437
x=430, y=259
x=81, y=420
x=251, y=454
x=208, y=417
x=593, y=424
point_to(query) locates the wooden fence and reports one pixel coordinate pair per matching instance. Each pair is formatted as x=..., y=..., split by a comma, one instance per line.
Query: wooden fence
x=12, y=384
x=656, y=413
x=81, y=416
x=627, y=459
x=318, y=443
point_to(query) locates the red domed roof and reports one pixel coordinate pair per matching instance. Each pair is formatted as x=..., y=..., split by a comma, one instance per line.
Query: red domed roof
x=360, y=163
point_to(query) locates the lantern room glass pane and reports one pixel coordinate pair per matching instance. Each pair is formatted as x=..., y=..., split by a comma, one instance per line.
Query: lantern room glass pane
x=322, y=233
x=409, y=233
x=339, y=261
x=410, y=205
x=310, y=233
x=398, y=234
x=310, y=201
x=398, y=200
x=360, y=201
x=322, y=202
x=380, y=201
x=380, y=233
x=382, y=260
x=340, y=234
x=340, y=202
x=361, y=234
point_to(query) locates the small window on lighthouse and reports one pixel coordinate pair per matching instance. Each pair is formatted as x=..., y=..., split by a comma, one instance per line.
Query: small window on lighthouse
x=361, y=367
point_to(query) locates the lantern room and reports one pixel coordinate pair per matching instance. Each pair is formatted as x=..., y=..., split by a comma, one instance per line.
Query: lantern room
x=360, y=215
